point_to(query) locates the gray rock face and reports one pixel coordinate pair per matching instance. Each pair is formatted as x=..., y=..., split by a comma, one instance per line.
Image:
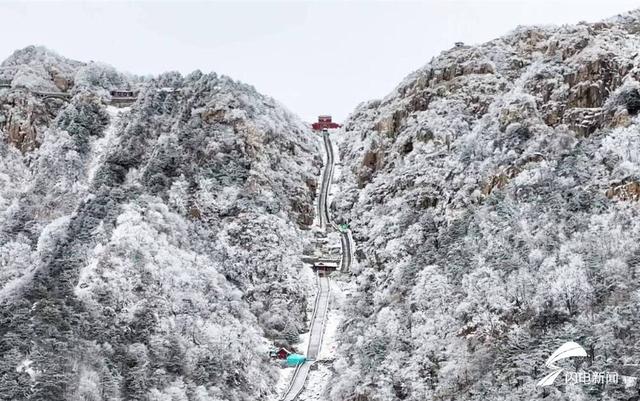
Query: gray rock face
x=493, y=196
x=146, y=252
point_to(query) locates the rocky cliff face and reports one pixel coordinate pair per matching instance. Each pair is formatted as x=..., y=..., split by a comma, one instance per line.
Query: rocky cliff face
x=34, y=72
x=493, y=195
x=146, y=252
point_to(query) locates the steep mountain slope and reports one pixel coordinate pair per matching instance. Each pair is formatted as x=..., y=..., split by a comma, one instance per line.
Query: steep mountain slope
x=145, y=252
x=494, y=198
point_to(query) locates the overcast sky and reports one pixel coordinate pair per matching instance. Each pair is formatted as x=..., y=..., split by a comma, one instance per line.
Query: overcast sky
x=315, y=57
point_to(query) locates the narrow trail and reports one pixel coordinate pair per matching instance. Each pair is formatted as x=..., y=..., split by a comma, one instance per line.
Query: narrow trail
x=327, y=176
x=321, y=306
x=318, y=321
x=346, y=240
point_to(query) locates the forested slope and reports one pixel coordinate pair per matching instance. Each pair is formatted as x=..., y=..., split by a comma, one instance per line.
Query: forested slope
x=146, y=252
x=494, y=199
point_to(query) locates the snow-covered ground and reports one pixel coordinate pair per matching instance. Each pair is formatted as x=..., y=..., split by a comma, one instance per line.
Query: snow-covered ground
x=283, y=382
x=317, y=383
x=337, y=137
x=100, y=145
x=333, y=237
x=321, y=374
x=329, y=346
x=320, y=377
x=25, y=366
x=286, y=373
x=340, y=290
x=316, y=219
x=308, y=276
x=184, y=242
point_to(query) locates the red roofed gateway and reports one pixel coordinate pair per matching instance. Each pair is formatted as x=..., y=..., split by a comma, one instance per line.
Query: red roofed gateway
x=324, y=122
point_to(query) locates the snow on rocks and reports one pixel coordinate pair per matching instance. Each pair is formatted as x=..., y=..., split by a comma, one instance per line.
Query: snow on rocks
x=511, y=164
x=184, y=237
x=100, y=146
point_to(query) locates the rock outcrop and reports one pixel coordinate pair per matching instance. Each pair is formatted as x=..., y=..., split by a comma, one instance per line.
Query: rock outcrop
x=146, y=250
x=493, y=197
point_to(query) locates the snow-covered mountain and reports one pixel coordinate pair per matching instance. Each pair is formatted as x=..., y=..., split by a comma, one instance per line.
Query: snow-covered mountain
x=494, y=196
x=146, y=252
x=149, y=252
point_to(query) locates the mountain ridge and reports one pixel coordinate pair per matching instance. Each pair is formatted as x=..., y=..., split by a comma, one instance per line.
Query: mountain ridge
x=492, y=196
x=151, y=252
x=145, y=247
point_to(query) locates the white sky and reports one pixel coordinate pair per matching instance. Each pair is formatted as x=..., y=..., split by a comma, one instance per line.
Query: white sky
x=315, y=57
